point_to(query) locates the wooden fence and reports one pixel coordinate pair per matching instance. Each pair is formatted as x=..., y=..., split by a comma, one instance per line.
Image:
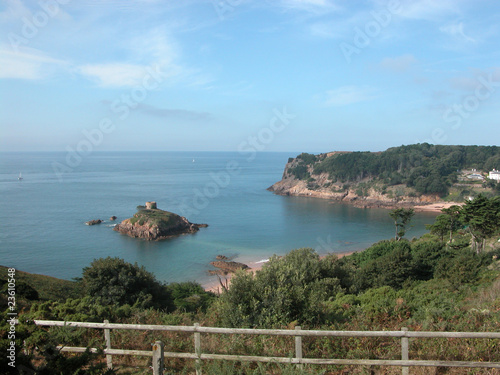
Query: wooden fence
x=158, y=354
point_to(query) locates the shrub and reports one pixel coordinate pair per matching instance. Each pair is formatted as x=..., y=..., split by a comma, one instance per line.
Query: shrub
x=287, y=289
x=190, y=296
x=114, y=281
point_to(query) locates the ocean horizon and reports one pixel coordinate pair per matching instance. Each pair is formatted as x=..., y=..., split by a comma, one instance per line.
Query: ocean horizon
x=43, y=214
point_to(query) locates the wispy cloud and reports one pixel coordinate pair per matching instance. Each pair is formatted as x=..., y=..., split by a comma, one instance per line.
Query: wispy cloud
x=311, y=6
x=154, y=48
x=28, y=64
x=429, y=9
x=167, y=113
x=398, y=64
x=347, y=95
x=114, y=74
x=14, y=11
x=456, y=30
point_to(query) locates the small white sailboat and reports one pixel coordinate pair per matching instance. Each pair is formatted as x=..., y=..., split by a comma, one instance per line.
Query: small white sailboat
x=20, y=176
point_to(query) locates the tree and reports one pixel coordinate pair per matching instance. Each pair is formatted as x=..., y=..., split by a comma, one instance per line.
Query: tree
x=440, y=226
x=482, y=216
x=287, y=289
x=190, y=296
x=401, y=217
x=114, y=281
x=454, y=214
x=448, y=222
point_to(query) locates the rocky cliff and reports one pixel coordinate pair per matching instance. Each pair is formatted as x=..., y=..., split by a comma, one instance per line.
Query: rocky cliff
x=367, y=192
x=155, y=224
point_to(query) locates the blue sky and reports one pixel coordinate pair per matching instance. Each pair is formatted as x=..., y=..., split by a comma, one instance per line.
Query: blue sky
x=281, y=75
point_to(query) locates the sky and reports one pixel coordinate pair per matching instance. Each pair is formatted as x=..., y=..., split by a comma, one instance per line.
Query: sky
x=239, y=75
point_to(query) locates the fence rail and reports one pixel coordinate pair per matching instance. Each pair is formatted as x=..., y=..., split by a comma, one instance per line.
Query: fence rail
x=158, y=354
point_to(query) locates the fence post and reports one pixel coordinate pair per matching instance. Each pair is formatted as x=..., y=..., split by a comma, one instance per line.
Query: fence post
x=107, y=338
x=298, y=347
x=404, y=350
x=197, y=349
x=158, y=358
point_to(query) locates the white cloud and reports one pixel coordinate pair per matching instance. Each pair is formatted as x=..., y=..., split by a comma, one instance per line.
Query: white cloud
x=27, y=64
x=346, y=95
x=398, y=64
x=428, y=9
x=14, y=12
x=114, y=74
x=457, y=31
x=312, y=6
x=151, y=49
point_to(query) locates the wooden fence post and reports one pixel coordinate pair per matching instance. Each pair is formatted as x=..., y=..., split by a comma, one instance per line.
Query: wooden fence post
x=107, y=338
x=298, y=347
x=197, y=349
x=404, y=350
x=158, y=358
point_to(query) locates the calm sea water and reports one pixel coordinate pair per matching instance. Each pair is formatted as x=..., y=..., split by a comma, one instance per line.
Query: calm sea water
x=42, y=216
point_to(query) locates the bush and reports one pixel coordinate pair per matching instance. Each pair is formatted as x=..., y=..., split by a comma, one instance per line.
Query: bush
x=190, y=296
x=461, y=268
x=287, y=289
x=114, y=281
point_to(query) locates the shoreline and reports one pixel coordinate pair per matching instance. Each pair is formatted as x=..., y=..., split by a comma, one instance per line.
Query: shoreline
x=215, y=286
x=435, y=207
x=283, y=188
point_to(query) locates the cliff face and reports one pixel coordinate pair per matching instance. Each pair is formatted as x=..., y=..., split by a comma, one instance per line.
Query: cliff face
x=364, y=193
x=155, y=224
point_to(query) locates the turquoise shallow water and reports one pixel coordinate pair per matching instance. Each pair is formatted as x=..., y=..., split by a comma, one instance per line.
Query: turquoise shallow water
x=42, y=217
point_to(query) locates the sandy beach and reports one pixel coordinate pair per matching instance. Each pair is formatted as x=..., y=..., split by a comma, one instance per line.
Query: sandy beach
x=215, y=286
x=435, y=207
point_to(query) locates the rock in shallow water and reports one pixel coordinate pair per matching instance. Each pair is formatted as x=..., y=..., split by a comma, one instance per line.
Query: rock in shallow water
x=155, y=224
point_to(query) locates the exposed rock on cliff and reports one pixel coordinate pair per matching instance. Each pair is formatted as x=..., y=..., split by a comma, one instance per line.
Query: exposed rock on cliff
x=155, y=224
x=363, y=193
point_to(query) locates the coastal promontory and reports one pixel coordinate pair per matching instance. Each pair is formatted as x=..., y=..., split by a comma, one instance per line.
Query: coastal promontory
x=419, y=175
x=151, y=223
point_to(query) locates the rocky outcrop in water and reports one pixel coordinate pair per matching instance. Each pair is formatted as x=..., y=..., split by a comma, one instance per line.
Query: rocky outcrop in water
x=154, y=224
x=226, y=267
x=93, y=222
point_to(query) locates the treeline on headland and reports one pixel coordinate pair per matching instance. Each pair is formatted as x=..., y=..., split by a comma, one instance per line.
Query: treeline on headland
x=426, y=168
x=443, y=281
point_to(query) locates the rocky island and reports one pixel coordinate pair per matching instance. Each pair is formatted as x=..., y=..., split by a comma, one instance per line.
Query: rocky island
x=151, y=223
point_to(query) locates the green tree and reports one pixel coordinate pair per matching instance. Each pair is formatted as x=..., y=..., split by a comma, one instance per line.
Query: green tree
x=287, y=289
x=448, y=222
x=482, y=216
x=440, y=226
x=402, y=218
x=114, y=281
x=454, y=213
x=190, y=296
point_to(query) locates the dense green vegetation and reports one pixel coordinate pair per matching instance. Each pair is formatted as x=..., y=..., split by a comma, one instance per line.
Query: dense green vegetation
x=428, y=169
x=447, y=280
x=163, y=219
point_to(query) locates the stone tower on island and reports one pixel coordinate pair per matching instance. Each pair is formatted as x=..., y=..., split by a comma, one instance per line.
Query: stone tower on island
x=151, y=206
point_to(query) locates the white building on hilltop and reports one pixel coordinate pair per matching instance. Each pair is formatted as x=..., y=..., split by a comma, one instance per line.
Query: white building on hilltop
x=494, y=175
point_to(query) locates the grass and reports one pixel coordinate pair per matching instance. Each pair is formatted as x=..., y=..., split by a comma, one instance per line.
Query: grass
x=155, y=217
x=48, y=288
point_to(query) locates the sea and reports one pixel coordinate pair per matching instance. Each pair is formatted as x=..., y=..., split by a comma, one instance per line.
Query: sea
x=43, y=215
